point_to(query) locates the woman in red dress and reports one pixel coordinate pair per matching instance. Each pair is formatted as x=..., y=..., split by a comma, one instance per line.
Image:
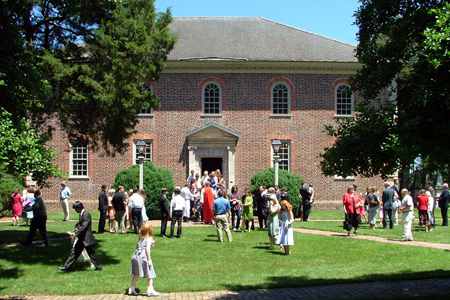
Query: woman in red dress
x=208, y=201
x=16, y=199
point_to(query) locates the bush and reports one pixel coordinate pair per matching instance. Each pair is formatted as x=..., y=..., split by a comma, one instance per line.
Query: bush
x=8, y=183
x=155, y=178
x=292, y=183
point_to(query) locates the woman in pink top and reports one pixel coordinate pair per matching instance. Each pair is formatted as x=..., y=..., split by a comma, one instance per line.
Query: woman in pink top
x=422, y=206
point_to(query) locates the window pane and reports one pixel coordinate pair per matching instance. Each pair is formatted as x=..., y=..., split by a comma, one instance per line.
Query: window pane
x=148, y=151
x=280, y=99
x=212, y=99
x=79, y=160
x=344, y=101
x=146, y=86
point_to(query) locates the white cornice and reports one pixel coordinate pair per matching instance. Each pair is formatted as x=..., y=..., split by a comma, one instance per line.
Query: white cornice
x=303, y=67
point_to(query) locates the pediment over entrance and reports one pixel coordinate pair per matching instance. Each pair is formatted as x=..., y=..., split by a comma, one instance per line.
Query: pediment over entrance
x=212, y=133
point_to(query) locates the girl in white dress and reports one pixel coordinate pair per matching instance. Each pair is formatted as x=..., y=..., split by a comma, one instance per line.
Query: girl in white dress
x=286, y=237
x=141, y=261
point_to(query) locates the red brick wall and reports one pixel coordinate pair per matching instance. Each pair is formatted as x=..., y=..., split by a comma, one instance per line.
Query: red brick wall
x=245, y=111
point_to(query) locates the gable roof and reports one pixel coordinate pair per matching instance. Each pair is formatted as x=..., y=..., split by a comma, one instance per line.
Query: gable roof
x=252, y=39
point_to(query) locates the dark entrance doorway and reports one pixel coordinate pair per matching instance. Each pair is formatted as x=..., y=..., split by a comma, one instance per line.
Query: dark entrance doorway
x=212, y=164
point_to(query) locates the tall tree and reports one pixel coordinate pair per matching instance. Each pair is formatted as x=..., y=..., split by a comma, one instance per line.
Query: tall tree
x=405, y=84
x=83, y=63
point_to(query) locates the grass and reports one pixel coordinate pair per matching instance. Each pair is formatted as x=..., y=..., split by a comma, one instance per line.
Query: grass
x=197, y=262
x=332, y=221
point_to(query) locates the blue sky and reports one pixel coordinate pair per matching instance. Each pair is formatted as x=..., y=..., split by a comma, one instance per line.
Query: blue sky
x=331, y=18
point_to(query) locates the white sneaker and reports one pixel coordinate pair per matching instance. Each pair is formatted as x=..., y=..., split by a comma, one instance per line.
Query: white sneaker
x=151, y=292
x=132, y=291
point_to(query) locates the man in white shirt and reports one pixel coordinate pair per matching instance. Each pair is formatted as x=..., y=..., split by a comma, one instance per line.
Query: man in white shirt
x=177, y=206
x=187, y=196
x=136, y=204
x=64, y=196
x=407, y=211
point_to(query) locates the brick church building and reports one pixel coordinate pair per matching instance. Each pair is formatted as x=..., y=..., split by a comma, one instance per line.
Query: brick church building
x=230, y=87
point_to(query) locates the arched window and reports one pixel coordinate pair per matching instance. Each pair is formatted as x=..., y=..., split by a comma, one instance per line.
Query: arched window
x=145, y=111
x=281, y=99
x=344, y=100
x=212, y=99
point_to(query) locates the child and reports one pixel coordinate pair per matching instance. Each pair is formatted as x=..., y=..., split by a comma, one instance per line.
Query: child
x=141, y=261
x=111, y=211
x=248, y=210
x=84, y=255
x=286, y=237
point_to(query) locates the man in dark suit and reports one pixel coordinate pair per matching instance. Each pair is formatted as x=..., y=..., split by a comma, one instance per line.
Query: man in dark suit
x=39, y=220
x=388, y=197
x=165, y=213
x=86, y=240
x=306, y=201
x=443, y=204
x=102, y=208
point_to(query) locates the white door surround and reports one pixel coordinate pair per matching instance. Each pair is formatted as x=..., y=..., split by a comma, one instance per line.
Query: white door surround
x=213, y=140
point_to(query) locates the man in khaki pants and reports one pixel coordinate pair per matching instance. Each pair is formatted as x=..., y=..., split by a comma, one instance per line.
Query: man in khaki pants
x=221, y=207
x=64, y=196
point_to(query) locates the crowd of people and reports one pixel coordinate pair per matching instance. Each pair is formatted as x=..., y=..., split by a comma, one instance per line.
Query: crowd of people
x=390, y=204
x=204, y=199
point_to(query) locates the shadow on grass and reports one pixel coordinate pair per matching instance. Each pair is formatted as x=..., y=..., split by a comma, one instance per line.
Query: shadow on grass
x=305, y=281
x=10, y=273
x=56, y=254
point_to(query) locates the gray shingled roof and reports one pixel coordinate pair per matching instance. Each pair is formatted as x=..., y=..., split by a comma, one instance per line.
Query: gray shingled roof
x=255, y=39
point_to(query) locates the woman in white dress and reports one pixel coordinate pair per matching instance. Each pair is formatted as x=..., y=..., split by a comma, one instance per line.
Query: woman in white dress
x=286, y=237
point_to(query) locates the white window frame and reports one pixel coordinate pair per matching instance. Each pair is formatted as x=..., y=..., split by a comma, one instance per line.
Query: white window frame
x=288, y=98
x=219, y=113
x=74, y=150
x=288, y=159
x=336, y=104
x=146, y=112
x=148, y=156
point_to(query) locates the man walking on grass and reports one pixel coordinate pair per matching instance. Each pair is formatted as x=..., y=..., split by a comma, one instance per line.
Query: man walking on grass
x=86, y=240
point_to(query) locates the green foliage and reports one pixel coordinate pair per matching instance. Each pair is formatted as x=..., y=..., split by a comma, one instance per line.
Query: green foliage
x=8, y=184
x=82, y=62
x=21, y=151
x=292, y=183
x=404, y=49
x=155, y=178
x=364, y=145
x=100, y=90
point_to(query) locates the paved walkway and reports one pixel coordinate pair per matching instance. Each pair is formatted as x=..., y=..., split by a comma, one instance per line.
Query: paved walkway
x=371, y=290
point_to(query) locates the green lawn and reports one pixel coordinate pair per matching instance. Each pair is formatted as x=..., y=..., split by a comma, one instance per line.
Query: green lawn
x=198, y=262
